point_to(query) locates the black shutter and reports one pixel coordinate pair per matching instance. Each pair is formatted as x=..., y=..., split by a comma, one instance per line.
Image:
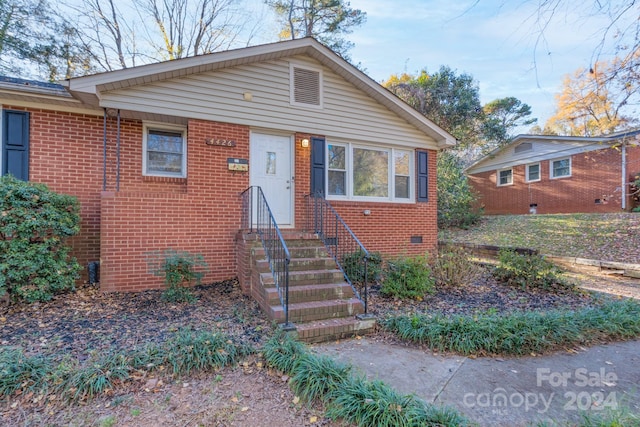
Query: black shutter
x=423, y=176
x=317, y=165
x=15, y=144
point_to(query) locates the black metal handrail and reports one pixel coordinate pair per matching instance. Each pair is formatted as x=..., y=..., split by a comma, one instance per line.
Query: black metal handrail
x=257, y=217
x=341, y=243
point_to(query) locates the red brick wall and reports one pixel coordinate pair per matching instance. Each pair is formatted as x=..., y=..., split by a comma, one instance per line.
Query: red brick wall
x=594, y=175
x=66, y=154
x=389, y=227
x=203, y=219
x=200, y=214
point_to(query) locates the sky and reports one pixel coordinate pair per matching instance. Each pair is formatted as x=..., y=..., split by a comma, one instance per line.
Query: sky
x=496, y=41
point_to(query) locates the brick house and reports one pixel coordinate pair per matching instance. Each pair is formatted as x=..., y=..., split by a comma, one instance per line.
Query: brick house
x=558, y=174
x=158, y=155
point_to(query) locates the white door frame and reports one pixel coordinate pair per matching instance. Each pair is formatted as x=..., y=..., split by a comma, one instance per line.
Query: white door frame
x=291, y=148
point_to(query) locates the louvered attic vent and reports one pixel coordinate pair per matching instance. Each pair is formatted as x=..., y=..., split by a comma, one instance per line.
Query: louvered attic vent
x=306, y=86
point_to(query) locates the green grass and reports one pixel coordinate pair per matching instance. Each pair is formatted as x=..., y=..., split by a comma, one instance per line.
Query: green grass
x=609, y=237
x=521, y=332
x=352, y=398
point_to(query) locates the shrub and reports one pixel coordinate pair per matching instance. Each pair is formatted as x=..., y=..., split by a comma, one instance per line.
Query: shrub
x=456, y=199
x=353, y=265
x=180, y=270
x=407, y=278
x=530, y=271
x=453, y=267
x=34, y=223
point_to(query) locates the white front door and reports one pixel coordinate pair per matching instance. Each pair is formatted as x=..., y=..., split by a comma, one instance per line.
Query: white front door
x=270, y=168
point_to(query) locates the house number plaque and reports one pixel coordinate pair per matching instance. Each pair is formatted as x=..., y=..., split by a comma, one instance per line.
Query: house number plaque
x=220, y=142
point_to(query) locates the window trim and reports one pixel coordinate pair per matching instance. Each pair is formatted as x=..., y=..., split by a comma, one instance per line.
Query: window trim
x=498, y=177
x=146, y=127
x=391, y=198
x=292, y=86
x=552, y=170
x=526, y=172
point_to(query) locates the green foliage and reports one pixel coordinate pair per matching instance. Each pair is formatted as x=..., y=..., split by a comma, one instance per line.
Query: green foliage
x=202, y=351
x=95, y=378
x=530, y=271
x=34, y=223
x=19, y=371
x=407, y=278
x=282, y=352
x=451, y=101
x=520, y=332
x=352, y=399
x=456, y=198
x=501, y=117
x=180, y=269
x=316, y=376
x=353, y=265
x=186, y=352
x=326, y=20
x=453, y=266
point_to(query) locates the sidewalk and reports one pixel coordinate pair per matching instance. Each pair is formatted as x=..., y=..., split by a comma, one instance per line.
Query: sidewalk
x=504, y=391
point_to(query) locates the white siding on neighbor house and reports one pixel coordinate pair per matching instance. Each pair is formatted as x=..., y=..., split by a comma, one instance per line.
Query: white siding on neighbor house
x=347, y=113
x=541, y=150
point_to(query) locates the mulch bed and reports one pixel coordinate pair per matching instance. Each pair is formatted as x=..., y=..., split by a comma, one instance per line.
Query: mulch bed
x=485, y=295
x=89, y=320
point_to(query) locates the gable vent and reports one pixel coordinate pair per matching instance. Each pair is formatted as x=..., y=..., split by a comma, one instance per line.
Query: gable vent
x=524, y=147
x=306, y=86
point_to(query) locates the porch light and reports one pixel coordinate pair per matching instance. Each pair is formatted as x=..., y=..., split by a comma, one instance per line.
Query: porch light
x=304, y=143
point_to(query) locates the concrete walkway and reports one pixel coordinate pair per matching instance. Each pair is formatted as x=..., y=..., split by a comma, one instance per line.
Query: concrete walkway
x=504, y=391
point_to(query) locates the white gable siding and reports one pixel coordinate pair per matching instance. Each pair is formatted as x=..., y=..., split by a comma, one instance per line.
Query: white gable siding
x=347, y=113
x=541, y=150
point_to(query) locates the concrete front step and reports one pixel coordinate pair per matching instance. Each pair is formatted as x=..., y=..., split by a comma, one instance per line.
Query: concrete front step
x=308, y=293
x=318, y=310
x=334, y=329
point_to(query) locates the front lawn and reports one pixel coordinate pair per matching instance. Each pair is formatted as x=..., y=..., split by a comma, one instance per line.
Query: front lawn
x=607, y=237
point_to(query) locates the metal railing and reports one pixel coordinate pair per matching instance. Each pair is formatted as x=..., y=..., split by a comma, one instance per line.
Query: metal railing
x=341, y=243
x=257, y=217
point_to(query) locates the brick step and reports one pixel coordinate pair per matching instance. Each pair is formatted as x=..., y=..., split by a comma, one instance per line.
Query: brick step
x=318, y=310
x=296, y=252
x=300, y=264
x=334, y=329
x=306, y=277
x=308, y=293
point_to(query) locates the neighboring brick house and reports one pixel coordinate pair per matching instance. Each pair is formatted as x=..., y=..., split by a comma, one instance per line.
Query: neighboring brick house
x=558, y=174
x=147, y=151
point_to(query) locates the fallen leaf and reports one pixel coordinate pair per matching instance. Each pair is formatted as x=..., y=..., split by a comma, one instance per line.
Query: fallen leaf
x=313, y=419
x=244, y=409
x=296, y=399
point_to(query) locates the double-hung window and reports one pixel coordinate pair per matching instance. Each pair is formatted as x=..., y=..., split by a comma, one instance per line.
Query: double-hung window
x=164, y=151
x=533, y=172
x=369, y=173
x=505, y=177
x=560, y=168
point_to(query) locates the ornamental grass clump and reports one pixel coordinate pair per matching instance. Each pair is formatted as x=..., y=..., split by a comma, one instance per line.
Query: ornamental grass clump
x=35, y=223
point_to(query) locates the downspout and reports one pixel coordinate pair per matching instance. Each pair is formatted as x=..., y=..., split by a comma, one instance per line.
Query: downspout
x=624, y=176
x=118, y=155
x=104, y=152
